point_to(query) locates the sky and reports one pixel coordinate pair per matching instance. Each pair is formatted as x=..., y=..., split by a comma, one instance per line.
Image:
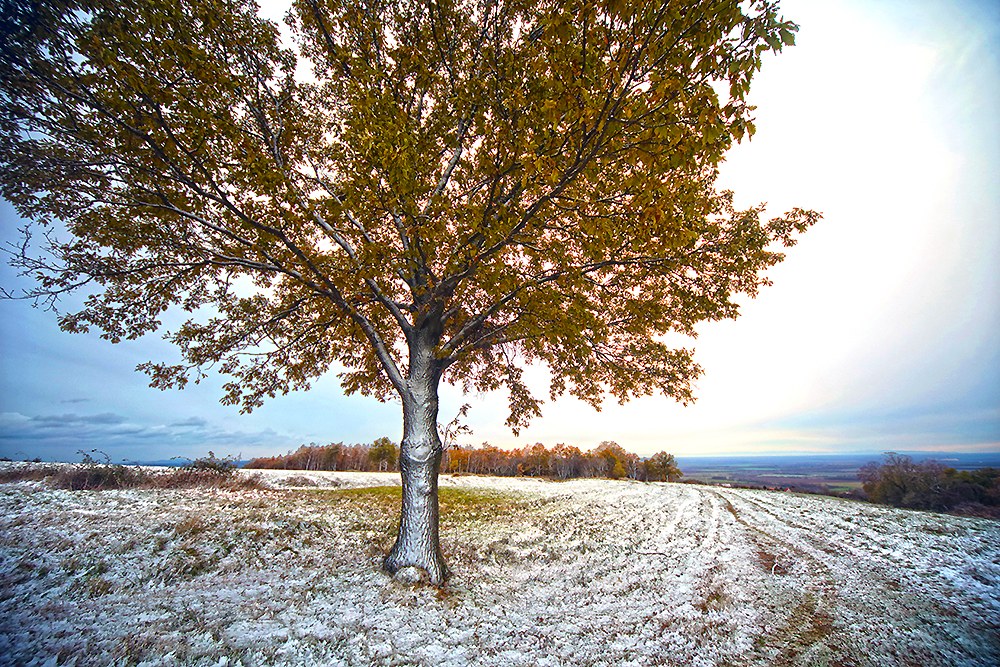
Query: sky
x=881, y=330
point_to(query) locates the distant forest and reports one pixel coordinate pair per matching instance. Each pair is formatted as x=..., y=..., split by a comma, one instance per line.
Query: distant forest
x=560, y=462
x=895, y=480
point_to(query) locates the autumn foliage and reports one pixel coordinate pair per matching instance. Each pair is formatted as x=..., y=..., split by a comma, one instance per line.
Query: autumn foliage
x=559, y=462
x=478, y=184
x=404, y=193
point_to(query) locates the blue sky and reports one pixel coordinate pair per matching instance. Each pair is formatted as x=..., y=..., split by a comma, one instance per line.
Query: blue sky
x=881, y=331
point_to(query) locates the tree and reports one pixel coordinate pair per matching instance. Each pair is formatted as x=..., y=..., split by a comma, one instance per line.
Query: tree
x=899, y=480
x=567, y=461
x=890, y=481
x=537, y=461
x=383, y=453
x=661, y=467
x=447, y=191
x=613, y=459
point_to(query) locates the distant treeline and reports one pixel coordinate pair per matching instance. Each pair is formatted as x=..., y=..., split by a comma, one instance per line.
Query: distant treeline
x=899, y=480
x=561, y=461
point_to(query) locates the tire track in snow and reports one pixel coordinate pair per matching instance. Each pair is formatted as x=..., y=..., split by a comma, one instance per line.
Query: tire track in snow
x=681, y=592
x=863, y=547
x=874, y=535
x=808, y=627
x=679, y=512
x=874, y=579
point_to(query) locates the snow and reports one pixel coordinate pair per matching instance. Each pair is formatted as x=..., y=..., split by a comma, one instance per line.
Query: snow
x=587, y=572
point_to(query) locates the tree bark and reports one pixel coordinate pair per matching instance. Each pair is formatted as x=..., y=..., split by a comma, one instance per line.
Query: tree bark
x=416, y=555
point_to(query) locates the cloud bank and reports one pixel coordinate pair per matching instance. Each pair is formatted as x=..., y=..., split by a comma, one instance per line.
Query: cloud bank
x=62, y=436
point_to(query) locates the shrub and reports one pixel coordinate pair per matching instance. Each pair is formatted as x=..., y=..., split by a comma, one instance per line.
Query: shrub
x=213, y=464
x=98, y=477
x=94, y=475
x=91, y=474
x=299, y=480
x=209, y=471
x=189, y=478
x=900, y=481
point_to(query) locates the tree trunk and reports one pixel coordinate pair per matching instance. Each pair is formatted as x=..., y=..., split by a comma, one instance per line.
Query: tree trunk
x=416, y=555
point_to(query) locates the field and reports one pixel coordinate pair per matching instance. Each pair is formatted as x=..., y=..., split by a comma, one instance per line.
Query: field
x=814, y=473
x=586, y=572
x=832, y=478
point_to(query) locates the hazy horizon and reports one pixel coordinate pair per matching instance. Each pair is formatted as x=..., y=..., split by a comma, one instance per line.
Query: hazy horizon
x=990, y=458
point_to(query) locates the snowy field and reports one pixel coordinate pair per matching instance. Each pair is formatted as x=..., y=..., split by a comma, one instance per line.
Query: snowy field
x=544, y=573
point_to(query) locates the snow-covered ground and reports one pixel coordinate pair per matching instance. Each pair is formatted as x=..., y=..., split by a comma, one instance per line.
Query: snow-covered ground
x=586, y=572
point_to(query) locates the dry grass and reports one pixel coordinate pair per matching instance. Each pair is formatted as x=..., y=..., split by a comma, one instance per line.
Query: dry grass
x=103, y=477
x=27, y=473
x=299, y=480
x=184, y=478
x=98, y=477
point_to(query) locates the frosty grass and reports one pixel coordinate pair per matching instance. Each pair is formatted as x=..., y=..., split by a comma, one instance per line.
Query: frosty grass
x=587, y=572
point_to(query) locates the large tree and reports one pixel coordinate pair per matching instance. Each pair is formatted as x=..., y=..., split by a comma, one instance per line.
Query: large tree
x=415, y=191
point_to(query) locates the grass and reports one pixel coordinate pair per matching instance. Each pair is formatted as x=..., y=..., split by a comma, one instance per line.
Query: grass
x=462, y=512
x=90, y=476
x=28, y=473
x=299, y=480
x=456, y=504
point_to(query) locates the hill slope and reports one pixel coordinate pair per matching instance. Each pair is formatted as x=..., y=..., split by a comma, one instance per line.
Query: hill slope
x=578, y=573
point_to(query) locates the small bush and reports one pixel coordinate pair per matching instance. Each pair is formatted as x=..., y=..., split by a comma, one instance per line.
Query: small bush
x=254, y=481
x=212, y=464
x=299, y=480
x=99, y=477
x=184, y=478
x=91, y=474
x=209, y=471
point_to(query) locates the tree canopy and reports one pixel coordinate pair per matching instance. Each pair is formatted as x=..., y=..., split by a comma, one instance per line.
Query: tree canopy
x=515, y=181
x=412, y=192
